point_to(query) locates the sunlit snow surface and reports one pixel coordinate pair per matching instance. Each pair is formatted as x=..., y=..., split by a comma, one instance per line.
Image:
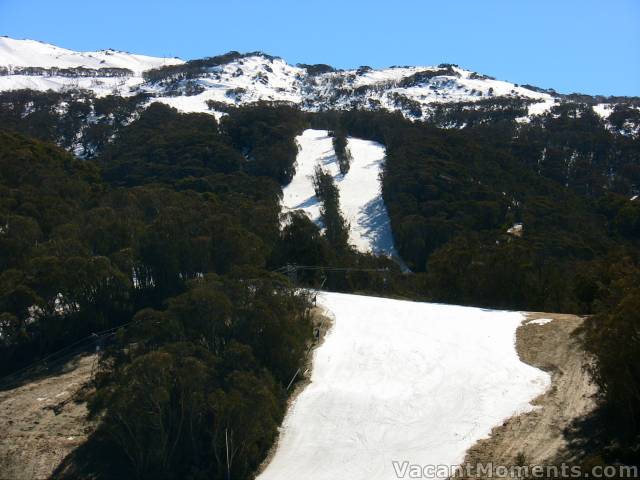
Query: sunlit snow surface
x=360, y=195
x=257, y=77
x=31, y=53
x=540, y=321
x=402, y=381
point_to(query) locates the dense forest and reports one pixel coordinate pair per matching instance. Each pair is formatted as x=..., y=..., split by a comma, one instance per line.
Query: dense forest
x=169, y=230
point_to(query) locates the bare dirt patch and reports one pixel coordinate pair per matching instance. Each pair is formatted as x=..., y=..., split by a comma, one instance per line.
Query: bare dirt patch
x=542, y=435
x=43, y=421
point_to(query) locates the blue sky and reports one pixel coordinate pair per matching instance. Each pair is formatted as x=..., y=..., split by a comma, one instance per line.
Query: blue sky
x=586, y=46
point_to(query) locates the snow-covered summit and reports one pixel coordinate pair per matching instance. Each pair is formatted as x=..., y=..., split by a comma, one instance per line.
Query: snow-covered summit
x=30, y=64
x=32, y=53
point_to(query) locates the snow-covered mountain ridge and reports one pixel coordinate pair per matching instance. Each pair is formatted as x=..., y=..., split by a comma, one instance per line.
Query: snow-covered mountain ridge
x=32, y=53
x=30, y=64
x=215, y=83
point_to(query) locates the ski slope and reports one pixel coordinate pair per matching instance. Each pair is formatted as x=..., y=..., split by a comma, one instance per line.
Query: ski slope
x=402, y=381
x=360, y=196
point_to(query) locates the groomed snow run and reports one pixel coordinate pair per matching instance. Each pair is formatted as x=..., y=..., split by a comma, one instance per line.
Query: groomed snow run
x=402, y=381
x=360, y=195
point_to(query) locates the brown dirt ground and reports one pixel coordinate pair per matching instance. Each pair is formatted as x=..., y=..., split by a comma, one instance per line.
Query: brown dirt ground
x=43, y=421
x=540, y=436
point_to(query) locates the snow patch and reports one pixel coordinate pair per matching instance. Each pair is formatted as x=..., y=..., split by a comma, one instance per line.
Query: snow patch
x=516, y=230
x=540, y=321
x=542, y=107
x=603, y=110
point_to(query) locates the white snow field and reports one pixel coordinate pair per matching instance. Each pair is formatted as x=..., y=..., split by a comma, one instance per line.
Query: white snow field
x=31, y=53
x=360, y=195
x=402, y=381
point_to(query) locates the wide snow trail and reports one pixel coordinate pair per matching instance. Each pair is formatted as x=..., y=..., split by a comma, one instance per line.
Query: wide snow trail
x=402, y=381
x=360, y=195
